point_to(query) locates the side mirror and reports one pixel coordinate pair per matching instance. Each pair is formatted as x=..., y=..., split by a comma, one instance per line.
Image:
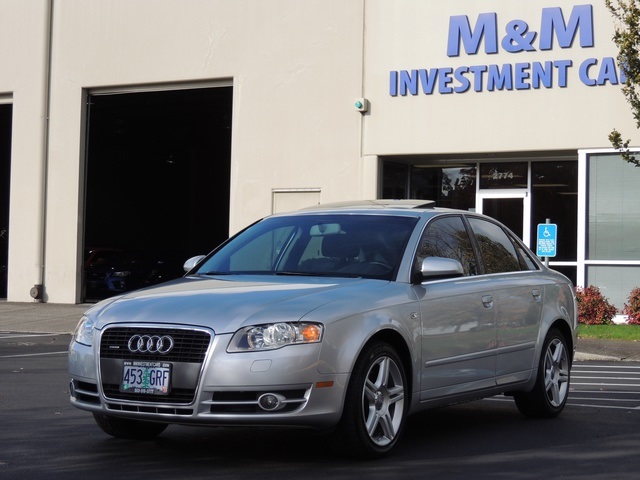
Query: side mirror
x=192, y=262
x=436, y=268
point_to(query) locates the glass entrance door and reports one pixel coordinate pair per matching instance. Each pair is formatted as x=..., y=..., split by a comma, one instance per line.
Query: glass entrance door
x=511, y=209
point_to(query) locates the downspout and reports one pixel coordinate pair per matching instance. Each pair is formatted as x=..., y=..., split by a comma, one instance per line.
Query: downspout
x=37, y=291
x=370, y=178
x=362, y=72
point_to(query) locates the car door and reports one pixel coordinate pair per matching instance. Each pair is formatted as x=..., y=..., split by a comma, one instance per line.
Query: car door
x=518, y=292
x=458, y=316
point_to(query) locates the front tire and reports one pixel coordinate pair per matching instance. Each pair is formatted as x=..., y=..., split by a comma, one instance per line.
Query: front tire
x=549, y=395
x=127, y=428
x=375, y=405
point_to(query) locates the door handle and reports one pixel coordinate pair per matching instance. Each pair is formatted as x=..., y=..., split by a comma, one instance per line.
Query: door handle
x=487, y=301
x=537, y=294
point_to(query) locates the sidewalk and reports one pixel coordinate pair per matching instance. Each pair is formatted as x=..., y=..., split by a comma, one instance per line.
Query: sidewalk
x=594, y=349
x=57, y=318
x=40, y=317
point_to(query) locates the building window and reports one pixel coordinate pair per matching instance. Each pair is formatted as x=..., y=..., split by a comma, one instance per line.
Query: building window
x=450, y=186
x=615, y=281
x=395, y=180
x=609, y=228
x=503, y=175
x=554, y=195
x=613, y=210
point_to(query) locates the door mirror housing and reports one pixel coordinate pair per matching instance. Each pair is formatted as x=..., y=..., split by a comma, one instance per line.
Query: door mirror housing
x=437, y=268
x=192, y=262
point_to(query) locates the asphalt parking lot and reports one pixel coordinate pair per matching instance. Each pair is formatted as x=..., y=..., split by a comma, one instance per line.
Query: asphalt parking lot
x=44, y=436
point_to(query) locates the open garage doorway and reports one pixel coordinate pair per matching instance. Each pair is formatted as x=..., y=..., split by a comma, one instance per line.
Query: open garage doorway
x=157, y=185
x=5, y=185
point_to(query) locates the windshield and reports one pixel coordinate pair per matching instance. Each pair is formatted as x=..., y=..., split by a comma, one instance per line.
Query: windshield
x=369, y=246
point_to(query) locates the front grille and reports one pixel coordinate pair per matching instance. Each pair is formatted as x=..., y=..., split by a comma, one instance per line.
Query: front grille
x=189, y=351
x=190, y=345
x=150, y=409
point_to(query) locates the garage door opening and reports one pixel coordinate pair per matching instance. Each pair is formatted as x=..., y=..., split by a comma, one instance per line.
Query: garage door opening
x=5, y=184
x=157, y=185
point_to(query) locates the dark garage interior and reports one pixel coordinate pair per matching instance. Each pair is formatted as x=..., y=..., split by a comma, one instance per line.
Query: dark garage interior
x=157, y=185
x=5, y=182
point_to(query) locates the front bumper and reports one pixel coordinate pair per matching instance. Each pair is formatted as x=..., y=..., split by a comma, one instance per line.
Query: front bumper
x=221, y=389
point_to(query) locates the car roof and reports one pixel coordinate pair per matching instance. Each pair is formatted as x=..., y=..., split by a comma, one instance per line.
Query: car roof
x=403, y=207
x=382, y=204
x=400, y=207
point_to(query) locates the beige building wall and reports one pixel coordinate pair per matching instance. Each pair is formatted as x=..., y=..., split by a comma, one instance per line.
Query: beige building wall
x=23, y=76
x=295, y=67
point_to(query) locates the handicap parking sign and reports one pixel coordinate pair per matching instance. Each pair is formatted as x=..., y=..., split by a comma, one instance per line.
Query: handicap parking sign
x=547, y=239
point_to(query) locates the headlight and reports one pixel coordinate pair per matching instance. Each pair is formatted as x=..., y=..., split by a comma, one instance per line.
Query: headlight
x=84, y=331
x=274, y=335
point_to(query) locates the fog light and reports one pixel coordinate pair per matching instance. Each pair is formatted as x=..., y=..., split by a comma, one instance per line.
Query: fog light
x=271, y=402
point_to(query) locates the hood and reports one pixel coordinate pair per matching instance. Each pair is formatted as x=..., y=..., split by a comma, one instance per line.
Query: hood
x=227, y=303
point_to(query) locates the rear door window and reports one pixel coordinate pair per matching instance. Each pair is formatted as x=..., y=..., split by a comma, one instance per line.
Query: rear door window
x=498, y=252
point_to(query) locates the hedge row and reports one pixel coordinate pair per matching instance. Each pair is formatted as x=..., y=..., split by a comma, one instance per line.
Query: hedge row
x=595, y=309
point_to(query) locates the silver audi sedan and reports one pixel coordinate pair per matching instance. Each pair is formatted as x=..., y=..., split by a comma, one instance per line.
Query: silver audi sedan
x=343, y=318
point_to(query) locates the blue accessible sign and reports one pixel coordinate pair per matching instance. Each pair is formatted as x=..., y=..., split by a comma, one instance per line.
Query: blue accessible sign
x=547, y=239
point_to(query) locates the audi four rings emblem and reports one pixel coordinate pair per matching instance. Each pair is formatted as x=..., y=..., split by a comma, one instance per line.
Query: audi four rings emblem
x=150, y=344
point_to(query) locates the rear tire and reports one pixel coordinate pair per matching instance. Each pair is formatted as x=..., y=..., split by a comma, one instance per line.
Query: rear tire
x=549, y=395
x=375, y=405
x=127, y=428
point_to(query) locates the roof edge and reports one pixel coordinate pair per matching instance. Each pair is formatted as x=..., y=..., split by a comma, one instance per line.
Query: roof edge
x=378, y=204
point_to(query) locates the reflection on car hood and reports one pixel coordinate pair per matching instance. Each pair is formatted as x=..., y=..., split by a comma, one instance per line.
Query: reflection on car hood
x=227, y=303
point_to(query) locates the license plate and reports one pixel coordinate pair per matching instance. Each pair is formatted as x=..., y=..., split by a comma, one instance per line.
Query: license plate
x=152, y=378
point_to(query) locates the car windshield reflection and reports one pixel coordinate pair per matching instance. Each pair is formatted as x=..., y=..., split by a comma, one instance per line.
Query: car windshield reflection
x=367, y=246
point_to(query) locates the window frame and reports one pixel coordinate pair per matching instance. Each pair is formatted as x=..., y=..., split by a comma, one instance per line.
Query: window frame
x=583, y=262
x=519, y=248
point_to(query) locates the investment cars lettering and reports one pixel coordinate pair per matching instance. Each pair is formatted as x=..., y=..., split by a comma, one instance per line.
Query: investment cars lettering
x=519, y=38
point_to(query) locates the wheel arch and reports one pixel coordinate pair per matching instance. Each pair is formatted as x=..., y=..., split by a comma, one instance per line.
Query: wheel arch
x=397, y=341
x=564, y=329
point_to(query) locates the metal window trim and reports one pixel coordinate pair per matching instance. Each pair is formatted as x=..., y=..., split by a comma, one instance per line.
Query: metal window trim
x=159, y=87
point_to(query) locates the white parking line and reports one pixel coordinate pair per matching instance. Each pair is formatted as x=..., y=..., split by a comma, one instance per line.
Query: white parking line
x=28, y=335
x=34, y=354
x=602, y=384
x=577, y=367
x=600, y=392
x=573, y=377
x=612, y=407
x=621, y=400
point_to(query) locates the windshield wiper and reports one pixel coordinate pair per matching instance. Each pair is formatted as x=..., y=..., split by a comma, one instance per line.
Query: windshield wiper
x=300, y=274
x=318, y=274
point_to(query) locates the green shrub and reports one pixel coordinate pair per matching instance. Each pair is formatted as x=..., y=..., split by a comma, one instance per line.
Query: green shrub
x=632, y=307
x=593, y=307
